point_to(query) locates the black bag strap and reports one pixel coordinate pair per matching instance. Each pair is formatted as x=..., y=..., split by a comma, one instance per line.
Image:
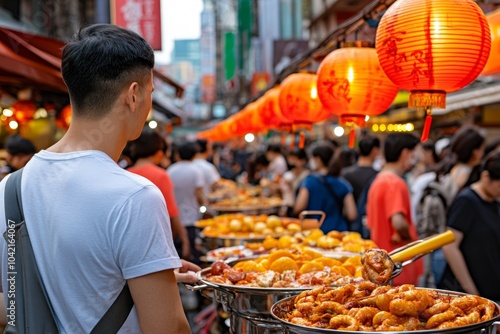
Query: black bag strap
x=118, y=312
x=116, y=315
x=338, y=201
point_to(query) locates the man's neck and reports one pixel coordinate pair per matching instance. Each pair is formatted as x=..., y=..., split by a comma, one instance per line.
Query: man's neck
x=365, y=161
x=85, y=135
x=201, y=156
x=143, y=161
x=394, y=168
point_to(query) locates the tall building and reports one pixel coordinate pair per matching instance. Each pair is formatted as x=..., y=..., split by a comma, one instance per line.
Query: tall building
x=188, y=51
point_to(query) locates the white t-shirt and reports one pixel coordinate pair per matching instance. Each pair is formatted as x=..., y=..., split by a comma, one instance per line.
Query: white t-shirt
x=210, y=173
x=186, y=177
x=278, y=166
x=92, y=225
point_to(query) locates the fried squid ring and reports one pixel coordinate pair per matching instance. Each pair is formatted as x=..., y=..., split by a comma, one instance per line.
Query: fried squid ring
x=411, y=304
x=377, y=266
x=343, y=322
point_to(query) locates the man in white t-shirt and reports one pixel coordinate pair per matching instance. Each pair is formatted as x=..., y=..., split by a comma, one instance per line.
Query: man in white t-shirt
x=210, y=174
x=188, y=190
x=93, y=226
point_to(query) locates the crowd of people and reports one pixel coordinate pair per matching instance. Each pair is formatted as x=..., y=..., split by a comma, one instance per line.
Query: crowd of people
x=393, y=190
x=101, y=225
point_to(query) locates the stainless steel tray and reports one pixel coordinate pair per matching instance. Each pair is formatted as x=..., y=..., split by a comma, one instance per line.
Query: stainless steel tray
x=286, y=305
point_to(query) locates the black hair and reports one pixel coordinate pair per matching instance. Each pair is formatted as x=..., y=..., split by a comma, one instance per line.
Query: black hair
x=395, y=143
x=491, y=164
x=429, y=146
x=299, y=153
x=99, y=62
x=466, y=140
x=324, y=152
x=274, y=148
x=148, y=143
x=17, y=145
x=258, y=159
x=347, y=157
x=202, y=145
x=187, y=150
x=367, y=144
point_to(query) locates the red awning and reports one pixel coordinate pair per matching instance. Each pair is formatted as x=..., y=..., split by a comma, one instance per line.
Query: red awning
x=29, y=58
x=20, y=58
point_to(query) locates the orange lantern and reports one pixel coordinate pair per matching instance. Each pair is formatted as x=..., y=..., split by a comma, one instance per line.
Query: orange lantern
x=298, y=99
x=23, y=111
x=493, y=64
x=431, y=48
x=271, y=114
x=352, y=85
x=66, y=114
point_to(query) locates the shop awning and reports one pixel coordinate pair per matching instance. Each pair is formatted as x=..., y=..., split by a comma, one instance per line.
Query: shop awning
x=164, y=105
x=28, y=58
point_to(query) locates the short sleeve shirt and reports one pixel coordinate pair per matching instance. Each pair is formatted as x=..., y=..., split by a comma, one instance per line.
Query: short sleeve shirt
x=321, y=199
x=479, y=221
x=92, y=226
x=186, y=178
x=389, y=195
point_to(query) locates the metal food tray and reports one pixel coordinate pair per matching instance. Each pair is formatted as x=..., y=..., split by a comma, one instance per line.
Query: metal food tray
x=287, y=304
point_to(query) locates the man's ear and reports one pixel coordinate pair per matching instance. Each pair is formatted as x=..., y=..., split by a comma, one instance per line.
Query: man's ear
x=132, y=96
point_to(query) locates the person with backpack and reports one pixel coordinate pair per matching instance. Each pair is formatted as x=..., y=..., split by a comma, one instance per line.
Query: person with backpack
x=360, y=176
x=474, y=217
x=96, y=228
x=324, y=190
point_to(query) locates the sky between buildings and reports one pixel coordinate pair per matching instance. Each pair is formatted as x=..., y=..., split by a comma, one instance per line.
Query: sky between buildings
x=180, y=20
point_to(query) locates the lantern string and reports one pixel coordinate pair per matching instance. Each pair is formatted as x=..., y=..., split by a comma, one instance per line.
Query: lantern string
x=292, y=142
x=302, y=139
x=427, y=126
x=352, y=137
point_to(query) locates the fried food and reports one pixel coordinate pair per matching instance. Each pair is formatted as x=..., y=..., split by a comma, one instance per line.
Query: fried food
x=377, y=266
x=294, y=267
x=365, y=307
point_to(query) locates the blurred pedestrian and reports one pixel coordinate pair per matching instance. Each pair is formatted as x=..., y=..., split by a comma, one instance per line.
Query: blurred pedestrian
x=388, y=208
x=292, y=179
x=148, y=151
x=325, y=191
x=19, y=151
x=474, y=218
x=188, y=189
x=210, y=174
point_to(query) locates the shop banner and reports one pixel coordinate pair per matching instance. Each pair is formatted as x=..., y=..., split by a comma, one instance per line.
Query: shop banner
x=141, y=16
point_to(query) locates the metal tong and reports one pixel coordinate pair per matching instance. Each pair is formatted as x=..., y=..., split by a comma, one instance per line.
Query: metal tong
x=413, y=251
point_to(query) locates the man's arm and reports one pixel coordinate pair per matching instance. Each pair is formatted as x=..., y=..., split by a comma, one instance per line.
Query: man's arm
x=158, y=303
x=401, y=225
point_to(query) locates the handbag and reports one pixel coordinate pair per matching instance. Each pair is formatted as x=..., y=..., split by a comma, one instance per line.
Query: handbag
x=28, y=307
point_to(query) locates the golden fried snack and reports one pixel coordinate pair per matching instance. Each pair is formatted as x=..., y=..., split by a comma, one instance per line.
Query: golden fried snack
x=377, y=266
x=362, y=307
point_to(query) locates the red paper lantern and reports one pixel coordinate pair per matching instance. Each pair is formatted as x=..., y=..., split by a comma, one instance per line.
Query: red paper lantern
x=23, y=111
x=431, y=48
x=299, y=101
x=352, y=85
x=270, y=111
x=493, y=64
